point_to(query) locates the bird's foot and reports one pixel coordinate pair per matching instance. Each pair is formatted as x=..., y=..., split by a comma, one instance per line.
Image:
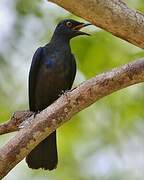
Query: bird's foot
x=64, y=92
x=28, y=121
x=35, y=113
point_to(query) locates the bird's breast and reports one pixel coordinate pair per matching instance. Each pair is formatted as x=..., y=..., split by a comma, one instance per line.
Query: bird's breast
x=52, y=79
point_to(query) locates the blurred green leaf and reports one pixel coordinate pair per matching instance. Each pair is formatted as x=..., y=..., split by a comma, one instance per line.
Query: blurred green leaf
x=25, y=7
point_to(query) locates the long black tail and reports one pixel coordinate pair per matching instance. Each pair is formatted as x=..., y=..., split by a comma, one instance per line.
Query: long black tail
x=44, y=155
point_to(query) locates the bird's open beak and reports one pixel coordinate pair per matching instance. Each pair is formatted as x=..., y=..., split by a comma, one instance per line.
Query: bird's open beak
x=80, y=26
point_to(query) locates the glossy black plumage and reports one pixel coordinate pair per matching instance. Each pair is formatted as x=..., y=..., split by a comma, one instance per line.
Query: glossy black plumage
x=52, y=71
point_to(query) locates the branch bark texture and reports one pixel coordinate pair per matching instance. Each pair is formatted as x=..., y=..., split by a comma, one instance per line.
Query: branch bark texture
x=111, y=15
x=64, y=108
x=15, y=121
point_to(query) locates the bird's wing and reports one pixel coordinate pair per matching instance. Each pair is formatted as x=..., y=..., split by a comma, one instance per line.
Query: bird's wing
x=73, y=70
x=33, y=76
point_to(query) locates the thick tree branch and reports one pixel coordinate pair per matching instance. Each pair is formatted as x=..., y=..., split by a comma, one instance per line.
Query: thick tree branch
x=111, y=15
x=64, y=108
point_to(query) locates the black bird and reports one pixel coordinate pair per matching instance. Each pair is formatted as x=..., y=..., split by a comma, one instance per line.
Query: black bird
x=52, y=71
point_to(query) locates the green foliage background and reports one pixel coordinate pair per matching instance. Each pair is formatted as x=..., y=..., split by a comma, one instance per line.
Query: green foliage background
x=105, y=141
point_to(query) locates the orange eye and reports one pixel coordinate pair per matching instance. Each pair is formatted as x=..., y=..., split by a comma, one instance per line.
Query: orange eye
x=69, y=24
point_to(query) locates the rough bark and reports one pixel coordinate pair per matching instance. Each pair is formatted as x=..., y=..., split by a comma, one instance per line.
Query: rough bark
x=111, y=15
x=64, y=108
x=15, y=121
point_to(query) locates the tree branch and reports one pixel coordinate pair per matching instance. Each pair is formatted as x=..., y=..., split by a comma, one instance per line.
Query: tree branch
x=111, y=15
x=15, y=121
x=64, y=108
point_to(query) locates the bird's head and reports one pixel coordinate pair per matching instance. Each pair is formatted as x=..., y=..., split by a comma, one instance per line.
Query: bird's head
x=70, y=28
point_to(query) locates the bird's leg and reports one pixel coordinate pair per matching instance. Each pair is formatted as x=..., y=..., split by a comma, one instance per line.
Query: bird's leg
x=65, y=93
x=35, y=113
x=61, y=93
